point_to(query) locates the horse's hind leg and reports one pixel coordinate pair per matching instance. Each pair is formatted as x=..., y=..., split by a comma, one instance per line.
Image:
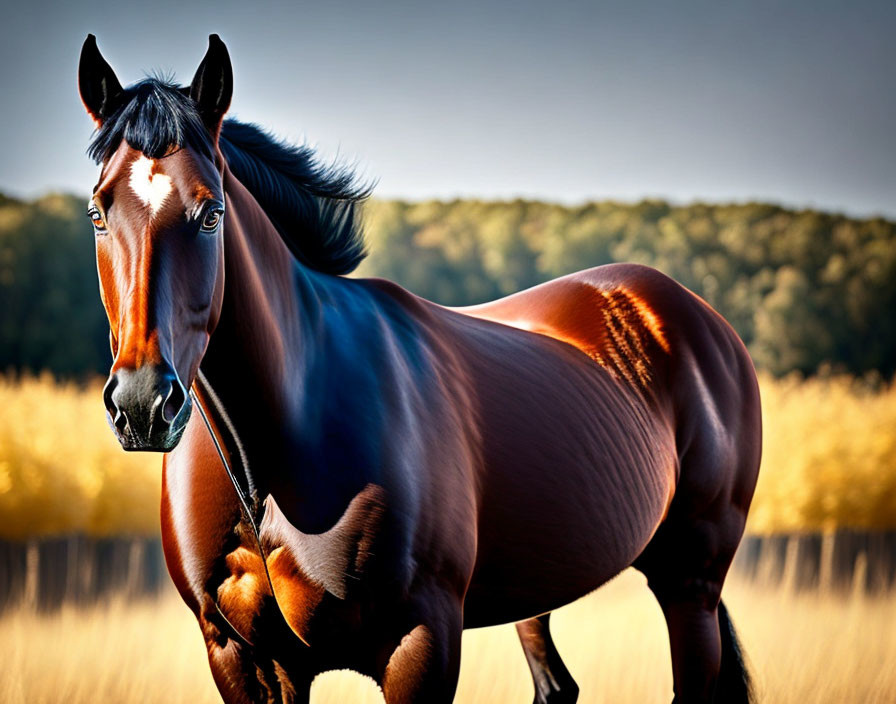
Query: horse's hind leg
x=685, y=565
x=694, y=640
x=553, y=683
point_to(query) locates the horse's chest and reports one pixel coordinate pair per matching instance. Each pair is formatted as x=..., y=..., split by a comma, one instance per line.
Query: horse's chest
x=216, y=563
x=244, y=596
x=291, y=572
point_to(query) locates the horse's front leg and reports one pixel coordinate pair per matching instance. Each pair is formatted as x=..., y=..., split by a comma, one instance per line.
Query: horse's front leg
x=244, y=675
x=424, y=667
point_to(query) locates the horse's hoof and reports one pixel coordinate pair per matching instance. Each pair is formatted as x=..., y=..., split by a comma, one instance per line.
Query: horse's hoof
x=568, y=695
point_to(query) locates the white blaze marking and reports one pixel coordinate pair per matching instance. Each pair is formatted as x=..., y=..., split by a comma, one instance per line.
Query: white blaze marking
x=151, y=188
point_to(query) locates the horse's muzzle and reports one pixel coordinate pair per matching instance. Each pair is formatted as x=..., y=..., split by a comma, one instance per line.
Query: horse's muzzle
x=147, y=407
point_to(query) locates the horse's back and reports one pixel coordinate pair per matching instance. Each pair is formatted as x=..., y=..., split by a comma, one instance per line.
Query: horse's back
x=649, y=332
x=577, y=466
x=673, y=390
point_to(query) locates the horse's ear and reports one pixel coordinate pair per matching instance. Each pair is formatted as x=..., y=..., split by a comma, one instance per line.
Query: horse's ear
x=212, y=86
x=100, y=90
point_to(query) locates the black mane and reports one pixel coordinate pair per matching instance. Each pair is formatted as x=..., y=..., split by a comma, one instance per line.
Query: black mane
x=312, y=205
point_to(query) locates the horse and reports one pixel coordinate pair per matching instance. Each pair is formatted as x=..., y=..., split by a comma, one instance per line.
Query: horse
x=368, y=473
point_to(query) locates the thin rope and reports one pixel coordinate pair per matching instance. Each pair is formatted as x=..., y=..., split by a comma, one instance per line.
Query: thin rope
x=244, y=502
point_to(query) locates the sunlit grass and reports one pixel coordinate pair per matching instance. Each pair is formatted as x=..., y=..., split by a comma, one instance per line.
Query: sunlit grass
x=802, y=648
x=829, y=460
x=829, y=456
x=61, y=469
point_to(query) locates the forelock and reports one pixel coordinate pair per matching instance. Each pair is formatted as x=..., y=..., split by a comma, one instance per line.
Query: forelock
x=155, y=117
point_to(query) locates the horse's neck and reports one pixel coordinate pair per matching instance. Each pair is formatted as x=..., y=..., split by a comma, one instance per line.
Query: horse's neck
x=260, y=323
x=261, y=354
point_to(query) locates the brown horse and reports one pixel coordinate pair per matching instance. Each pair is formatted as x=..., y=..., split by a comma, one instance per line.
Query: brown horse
x=370, y=473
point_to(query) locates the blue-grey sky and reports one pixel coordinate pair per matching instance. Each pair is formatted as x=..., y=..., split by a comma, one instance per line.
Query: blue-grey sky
x=792, y=102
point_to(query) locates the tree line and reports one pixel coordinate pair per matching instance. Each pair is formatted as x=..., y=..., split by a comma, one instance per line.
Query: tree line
x=807, y=291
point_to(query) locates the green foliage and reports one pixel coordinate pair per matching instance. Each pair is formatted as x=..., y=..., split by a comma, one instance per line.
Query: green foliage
x=50, y=311
x=806, y=290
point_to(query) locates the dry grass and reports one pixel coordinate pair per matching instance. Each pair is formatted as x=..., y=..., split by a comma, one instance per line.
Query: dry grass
x=63, y=471
x=829, y=456
x=829, y=461
x=803, y=649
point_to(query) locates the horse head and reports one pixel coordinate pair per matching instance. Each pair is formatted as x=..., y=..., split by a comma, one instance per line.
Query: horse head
x=157, y=212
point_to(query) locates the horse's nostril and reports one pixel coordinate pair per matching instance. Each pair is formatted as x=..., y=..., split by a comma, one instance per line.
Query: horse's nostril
x=121, y=421
x=108, y=390
x=143, y=404
x=174, y=402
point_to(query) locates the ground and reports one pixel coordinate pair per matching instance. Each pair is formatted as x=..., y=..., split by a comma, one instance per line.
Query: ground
x=805, y=648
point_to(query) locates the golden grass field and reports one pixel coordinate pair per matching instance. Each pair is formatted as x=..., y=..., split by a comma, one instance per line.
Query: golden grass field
x=804, y=649
x=829, y=460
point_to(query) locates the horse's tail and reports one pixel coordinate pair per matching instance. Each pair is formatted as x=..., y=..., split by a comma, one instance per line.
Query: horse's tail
x=734, y=685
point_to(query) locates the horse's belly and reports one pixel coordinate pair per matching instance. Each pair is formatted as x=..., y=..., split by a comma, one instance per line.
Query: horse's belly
x=488, y=605
x=546, y=546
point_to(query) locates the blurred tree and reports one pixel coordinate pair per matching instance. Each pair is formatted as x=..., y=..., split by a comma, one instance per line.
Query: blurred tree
x=805, y=290
x=50, y=311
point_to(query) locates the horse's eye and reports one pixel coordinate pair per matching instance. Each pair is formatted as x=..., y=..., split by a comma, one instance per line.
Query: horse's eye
x=211, y=219
x=96, y=217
